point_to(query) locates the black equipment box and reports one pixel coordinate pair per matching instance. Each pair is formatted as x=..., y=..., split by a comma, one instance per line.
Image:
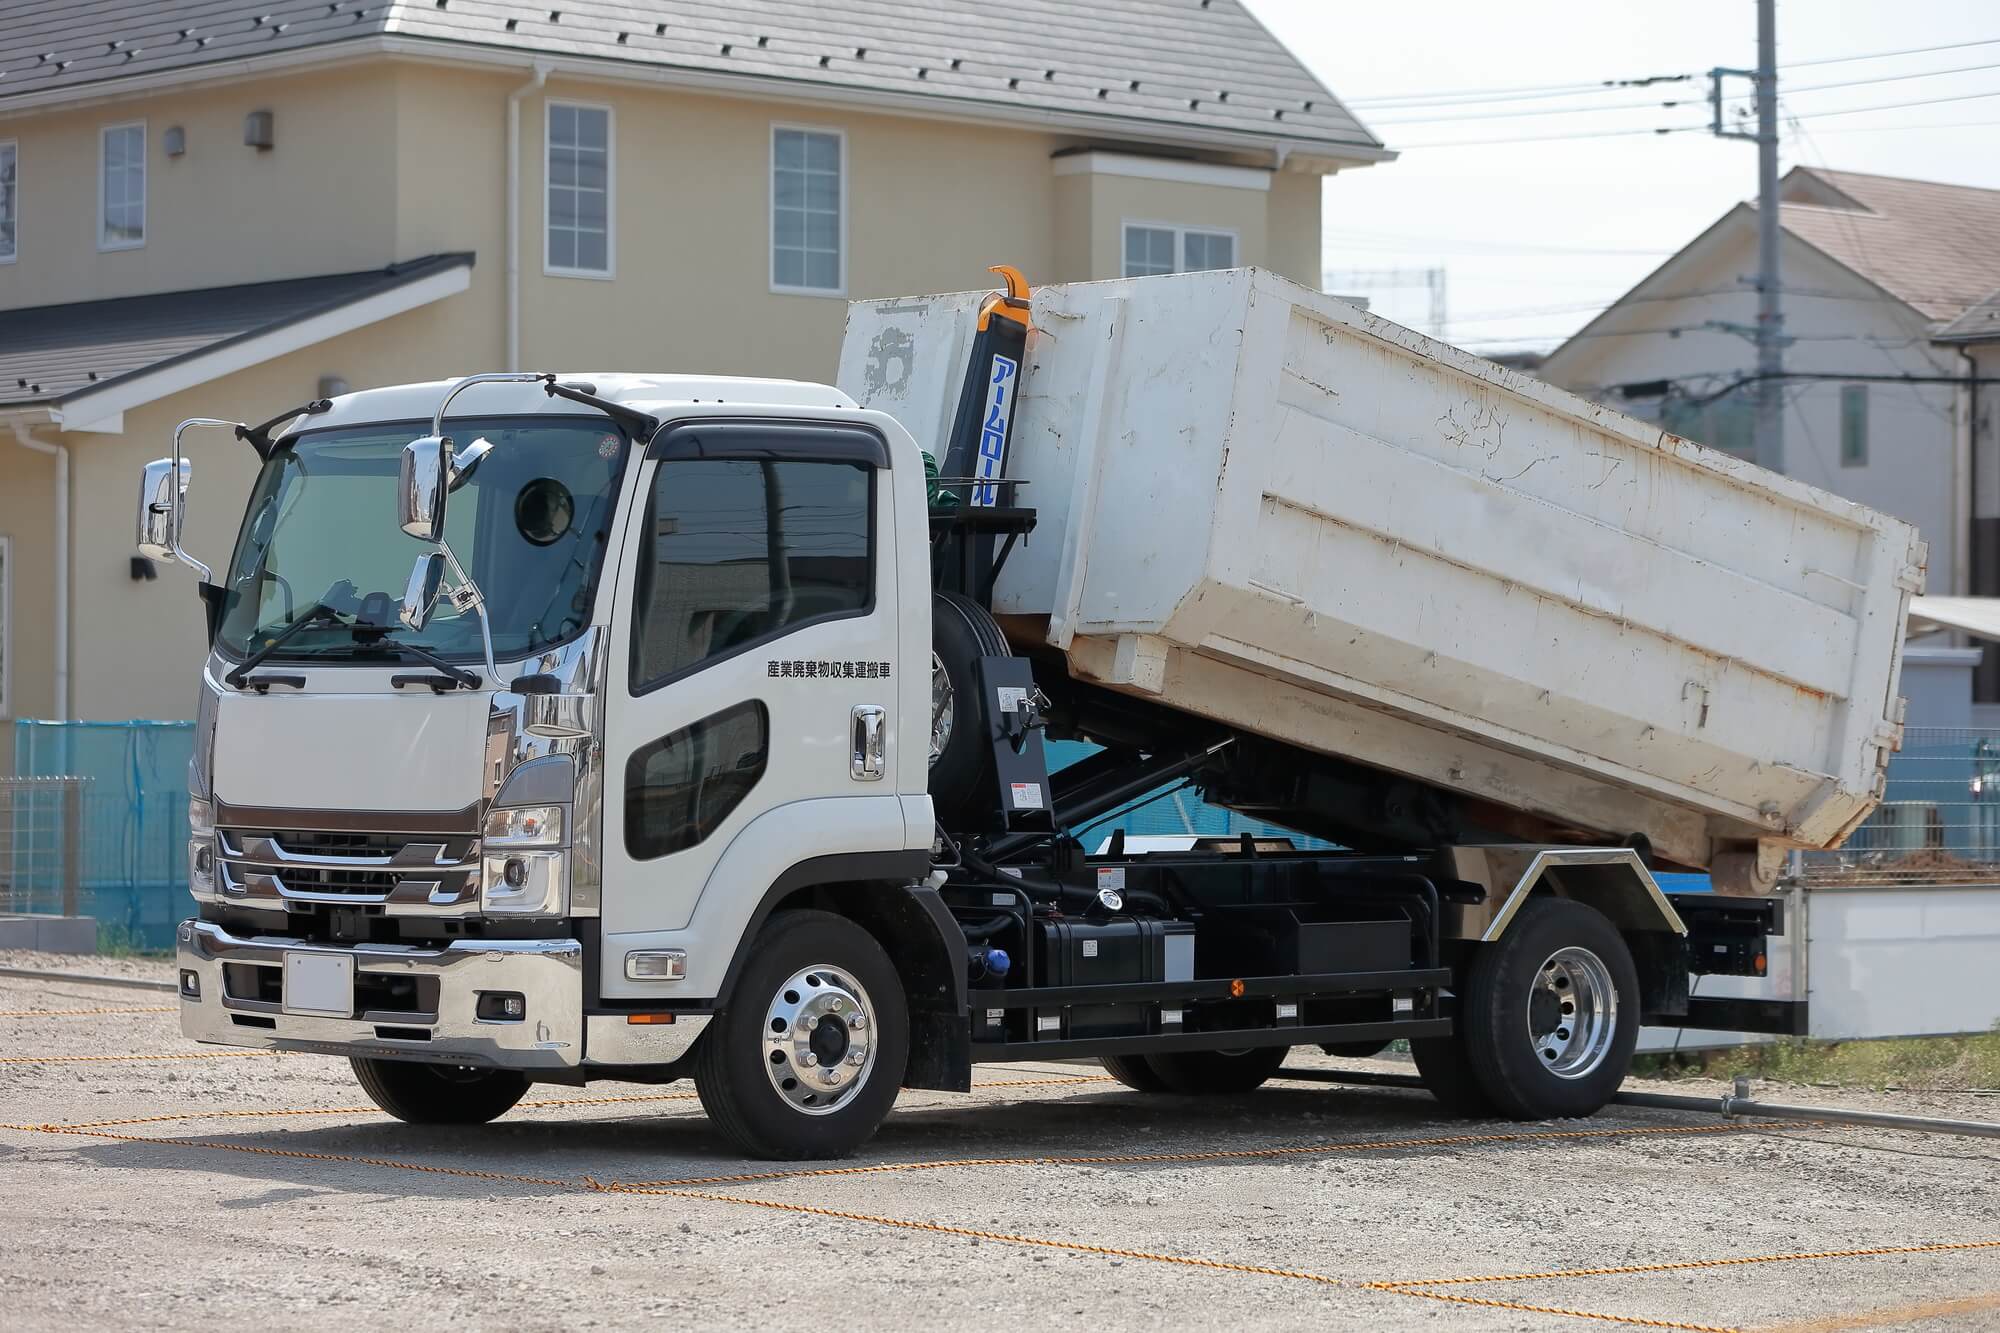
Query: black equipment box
x=1107, y=953
x=1278, y=942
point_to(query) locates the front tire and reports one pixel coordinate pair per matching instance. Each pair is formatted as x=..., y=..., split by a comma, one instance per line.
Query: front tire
x=1550, y=1013
x=427, y=1094
x=807, y=1058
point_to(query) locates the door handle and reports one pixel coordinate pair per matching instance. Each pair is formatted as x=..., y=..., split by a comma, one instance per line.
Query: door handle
x=865, y=764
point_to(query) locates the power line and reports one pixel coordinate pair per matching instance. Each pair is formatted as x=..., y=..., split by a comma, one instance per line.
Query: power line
x=1679, y=102
x=1890, y=129
x=1884, y=55
x=1521, y=90
x=1896, y=106
x=1524, y=92
x=1552, y=138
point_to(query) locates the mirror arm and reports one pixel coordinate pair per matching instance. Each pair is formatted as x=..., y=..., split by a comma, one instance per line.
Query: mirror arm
x=259, y=437
x=174, y=481
x=478, y=606
x=638, y=424
x=460, y=386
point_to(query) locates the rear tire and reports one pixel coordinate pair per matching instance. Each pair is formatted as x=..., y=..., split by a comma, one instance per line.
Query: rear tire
x=1217, y=1073
x=961, y=752
x=1447, y=1073
x=1133, y=1072
x=1550, y=1013
x=427, y=1094
x=762, y=1065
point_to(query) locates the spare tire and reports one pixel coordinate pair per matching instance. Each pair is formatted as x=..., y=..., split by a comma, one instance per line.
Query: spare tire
x=961, y=761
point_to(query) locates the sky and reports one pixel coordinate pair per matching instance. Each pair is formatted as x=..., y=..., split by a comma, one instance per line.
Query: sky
x=1537, y=236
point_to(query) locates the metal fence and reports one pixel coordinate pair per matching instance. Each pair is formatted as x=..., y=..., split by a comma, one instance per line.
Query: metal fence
x=1939, y=821
x=95, y=822
x=41, y=844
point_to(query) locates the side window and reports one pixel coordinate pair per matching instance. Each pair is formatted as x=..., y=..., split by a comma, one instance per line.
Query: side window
x=680, y=788
x=740, y=551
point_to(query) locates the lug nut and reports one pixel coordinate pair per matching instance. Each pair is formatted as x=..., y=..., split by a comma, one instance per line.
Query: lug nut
x=857, y=1019
x=855, y=1057
x=830, y=1076
x=834, y=1004
x=808, y=1059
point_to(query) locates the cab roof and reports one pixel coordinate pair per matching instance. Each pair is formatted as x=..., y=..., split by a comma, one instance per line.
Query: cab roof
x=657, y=395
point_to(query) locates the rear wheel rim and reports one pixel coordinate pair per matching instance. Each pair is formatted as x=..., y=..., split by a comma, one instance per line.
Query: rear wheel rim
x=819, y=1039
x=1572, y=1016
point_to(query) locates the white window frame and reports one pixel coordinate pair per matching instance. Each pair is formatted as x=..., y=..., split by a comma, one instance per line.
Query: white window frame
x=771, y=210
x=13, y=146
x=1180, y=231
x=6, y=624
x=610, y=269
x=145, y=146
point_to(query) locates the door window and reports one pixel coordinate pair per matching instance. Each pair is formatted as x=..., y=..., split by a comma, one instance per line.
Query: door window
x=679, y=789
x=740, y=551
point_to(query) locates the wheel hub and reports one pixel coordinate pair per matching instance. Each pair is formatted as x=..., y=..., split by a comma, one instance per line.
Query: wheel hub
x=819, y=1039
x=1572, y=1013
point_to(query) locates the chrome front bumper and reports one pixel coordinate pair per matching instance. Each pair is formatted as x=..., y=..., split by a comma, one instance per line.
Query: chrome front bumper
x=548, y=974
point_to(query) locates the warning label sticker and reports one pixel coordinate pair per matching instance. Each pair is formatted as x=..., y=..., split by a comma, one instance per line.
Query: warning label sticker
x=1027, y=795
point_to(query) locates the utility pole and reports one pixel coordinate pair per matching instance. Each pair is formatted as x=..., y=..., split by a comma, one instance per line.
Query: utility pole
x=1770, y=331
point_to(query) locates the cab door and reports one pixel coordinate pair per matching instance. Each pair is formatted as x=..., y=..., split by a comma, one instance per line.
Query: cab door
x=751, y=682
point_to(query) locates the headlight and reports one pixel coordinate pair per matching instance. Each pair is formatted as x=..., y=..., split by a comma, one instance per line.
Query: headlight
x=525, y=826
x=201, y=846
x=523, y=883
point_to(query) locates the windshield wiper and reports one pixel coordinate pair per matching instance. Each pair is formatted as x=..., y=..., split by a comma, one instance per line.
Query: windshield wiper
x=457, y=675
x=317, y=613
x=370, y=641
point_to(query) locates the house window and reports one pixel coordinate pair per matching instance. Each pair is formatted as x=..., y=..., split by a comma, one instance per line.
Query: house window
x=1854, y=425
x=1155, y=248
x=121, y=187
x=9, y=208
x=579, y=180
x=808, y=204
x=1728, y=424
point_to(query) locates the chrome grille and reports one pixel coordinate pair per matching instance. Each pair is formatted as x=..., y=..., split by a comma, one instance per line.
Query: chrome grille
x=426, y=874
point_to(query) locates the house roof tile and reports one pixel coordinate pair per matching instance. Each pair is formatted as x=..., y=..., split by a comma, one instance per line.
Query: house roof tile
x=1155, y=67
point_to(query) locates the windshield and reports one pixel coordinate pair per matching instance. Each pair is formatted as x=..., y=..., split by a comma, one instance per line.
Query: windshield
x=530, y=526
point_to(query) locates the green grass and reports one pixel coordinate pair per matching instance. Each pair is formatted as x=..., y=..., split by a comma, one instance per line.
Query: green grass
x=117, y=942
x=1939, y=1063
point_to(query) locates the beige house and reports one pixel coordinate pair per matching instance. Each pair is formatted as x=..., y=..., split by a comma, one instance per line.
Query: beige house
x=212, y=208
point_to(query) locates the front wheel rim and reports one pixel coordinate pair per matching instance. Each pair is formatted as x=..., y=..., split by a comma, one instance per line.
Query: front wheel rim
x=1572, y=1013
x=819, y=1039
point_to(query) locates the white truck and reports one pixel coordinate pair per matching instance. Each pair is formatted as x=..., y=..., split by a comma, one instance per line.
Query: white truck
x=705, y=737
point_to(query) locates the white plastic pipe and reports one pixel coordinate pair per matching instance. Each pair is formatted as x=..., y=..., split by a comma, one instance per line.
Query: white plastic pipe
x=541, y=77
x=61, y=454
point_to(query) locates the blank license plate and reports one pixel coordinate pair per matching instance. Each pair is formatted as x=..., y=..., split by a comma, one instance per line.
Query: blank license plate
x=319, y=983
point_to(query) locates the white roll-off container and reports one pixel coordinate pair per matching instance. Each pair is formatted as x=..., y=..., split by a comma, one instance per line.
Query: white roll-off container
x=1264, y=506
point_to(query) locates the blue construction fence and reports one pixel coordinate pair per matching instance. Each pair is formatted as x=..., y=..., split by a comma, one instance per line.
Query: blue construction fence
x=133, y=836
x=1940, y=821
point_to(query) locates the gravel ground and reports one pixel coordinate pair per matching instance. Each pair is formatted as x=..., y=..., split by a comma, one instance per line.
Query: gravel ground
x=221, y=1209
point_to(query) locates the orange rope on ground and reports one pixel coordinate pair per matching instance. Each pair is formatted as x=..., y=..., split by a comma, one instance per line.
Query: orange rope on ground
x=79, y=1013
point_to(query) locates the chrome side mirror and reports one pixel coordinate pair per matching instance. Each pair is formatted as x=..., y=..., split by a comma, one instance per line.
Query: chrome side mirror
x=162, y=491
x=420, y=598
x=423, y=479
